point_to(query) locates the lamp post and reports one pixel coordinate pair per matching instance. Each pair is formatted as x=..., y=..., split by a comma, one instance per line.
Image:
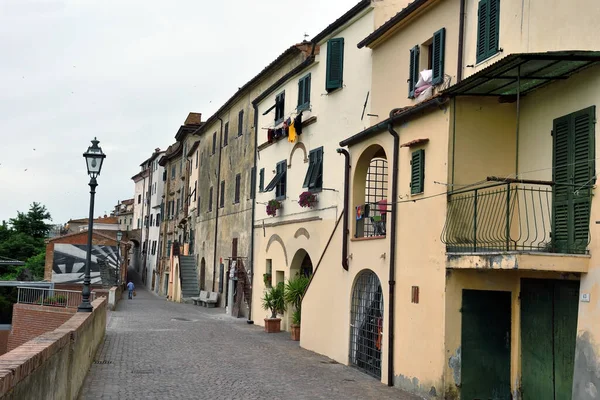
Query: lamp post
x=93, y=158
x=119, y=237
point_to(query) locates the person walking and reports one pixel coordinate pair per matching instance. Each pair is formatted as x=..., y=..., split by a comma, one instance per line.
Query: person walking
x=130, y=288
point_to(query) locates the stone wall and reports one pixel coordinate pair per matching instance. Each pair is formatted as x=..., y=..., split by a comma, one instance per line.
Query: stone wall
x=54, y=365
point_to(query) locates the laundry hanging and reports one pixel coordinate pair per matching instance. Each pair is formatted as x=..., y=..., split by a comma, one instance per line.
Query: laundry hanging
x=292, y=132
x=298, y=124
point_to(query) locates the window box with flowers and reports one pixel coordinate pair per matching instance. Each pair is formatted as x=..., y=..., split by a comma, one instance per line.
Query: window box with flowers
x=272, y=207
x=307, y=199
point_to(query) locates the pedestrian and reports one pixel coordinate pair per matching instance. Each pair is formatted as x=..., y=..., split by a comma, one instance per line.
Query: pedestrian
x=131, y=288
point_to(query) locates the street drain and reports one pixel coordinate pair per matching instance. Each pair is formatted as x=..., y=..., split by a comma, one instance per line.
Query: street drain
x=102, y=362
x=180, y=319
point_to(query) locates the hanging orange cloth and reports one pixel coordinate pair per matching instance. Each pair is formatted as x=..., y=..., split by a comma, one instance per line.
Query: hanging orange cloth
x=292, y=132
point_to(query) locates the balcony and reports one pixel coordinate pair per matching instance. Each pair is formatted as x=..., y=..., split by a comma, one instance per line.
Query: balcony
x=512, y=225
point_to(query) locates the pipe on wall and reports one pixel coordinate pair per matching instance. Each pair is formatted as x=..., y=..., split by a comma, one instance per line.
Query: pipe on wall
x=217, y=204
x=253, y=191
x=346, y=205
x=392, y=273
x=461, y=39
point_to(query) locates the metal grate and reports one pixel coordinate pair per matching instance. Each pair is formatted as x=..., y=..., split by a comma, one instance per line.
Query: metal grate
x=373, y=213
x=366, y=324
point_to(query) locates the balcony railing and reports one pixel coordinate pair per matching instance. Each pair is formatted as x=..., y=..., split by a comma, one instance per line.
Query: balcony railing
x=51, y=297
x=508, y=217
x=371, y=219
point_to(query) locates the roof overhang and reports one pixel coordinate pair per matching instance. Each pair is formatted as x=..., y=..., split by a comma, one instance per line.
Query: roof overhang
x=193, y=148
x=524, y=73
x=185, y=130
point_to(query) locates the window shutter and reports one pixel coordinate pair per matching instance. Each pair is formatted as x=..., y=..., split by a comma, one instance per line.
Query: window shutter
x=241, y=123
x=437, y=57
x=318, y=181
x=583, y=174
x=493, y=27
x=307, y=90
x=417, y=171
x=300, y=92
x=482, y=24
x=335, y=64
x=222, y=195
x=261, y=180
x=225, y=135
x=238, y=181
x=413, y=71
x=252, y=182
x=560, y=175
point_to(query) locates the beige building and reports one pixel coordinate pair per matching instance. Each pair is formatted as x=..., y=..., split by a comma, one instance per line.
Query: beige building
x=298, y=165
x=470, y=249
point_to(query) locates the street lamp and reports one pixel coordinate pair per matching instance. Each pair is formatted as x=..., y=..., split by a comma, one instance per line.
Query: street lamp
x=93, y=158
x=119, y=237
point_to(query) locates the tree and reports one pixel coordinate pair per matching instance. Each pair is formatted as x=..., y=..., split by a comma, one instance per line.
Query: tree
x=33, y=223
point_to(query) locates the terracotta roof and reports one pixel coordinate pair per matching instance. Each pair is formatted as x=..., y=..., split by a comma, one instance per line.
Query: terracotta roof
x=101, y=220
x=101, y=233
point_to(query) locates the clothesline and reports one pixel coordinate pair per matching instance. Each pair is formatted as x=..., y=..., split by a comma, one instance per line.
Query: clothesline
x=290, y=115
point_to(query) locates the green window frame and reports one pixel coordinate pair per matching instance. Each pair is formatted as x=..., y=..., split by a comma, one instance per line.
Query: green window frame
x=214, y=143
x=314, y=174
x=413, y=71
x=488, y=29
x=261, y=180
x=304, y=93
x=252, y=182
x=225, y=135
x=210, y=199
x=222, y=198
x=278, y=183
x=238, y=182
x=438, y=47
x=279, y=107
x=240, y=123
x=334, y=77
x=417, y=171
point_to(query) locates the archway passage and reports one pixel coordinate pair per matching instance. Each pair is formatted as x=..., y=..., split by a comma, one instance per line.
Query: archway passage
x=366, y=324
x=306, y=269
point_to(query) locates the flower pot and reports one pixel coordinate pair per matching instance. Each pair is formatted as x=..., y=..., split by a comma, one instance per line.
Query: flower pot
x=295, y=332
x=272, y=325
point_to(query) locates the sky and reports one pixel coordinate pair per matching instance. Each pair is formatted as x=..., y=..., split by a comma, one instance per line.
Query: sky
x=127, y=72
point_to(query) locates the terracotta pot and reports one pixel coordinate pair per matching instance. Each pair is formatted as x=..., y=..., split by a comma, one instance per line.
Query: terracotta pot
x=272, y=325
x=295, y=332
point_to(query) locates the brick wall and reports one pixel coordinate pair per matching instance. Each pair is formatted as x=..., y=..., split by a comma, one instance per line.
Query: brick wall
x=4, y=341
x=30, y=321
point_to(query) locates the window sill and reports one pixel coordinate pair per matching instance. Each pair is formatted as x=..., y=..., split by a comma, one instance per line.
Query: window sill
x=331, y=91
x=362, y=239
x=496, y=54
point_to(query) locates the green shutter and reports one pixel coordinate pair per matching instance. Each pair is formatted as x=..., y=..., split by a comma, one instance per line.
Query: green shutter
x=307, y=90
x=493, y=27
x=417, y=173
x=261, y=182
x=437, y=56
x=300, y=93
x=309, y=171
x=335, y=64
x=583, y=174
x=482, y=29
x=413, y=71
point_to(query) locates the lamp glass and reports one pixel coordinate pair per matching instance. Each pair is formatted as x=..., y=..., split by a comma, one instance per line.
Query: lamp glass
x=119, y=236
x=94, y=158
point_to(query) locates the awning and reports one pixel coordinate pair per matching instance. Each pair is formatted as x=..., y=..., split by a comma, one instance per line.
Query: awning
x=524, y=73
x=275, y=181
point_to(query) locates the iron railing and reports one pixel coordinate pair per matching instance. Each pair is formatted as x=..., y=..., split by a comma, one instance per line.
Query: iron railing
x=371, y=219
x=51, y=297
x=506, y=217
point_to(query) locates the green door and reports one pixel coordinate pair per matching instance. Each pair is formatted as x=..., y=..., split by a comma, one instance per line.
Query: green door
x=548, y=333
x=573, y=174
x=485, y=366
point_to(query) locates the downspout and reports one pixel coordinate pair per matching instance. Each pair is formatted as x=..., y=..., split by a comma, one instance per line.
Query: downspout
x=253, y=190
x=461, y=39
x=217, y=204
x=392, y=273
x=346, y=205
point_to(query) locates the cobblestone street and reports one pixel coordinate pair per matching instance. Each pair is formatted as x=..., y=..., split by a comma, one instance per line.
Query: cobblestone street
x=156, y=349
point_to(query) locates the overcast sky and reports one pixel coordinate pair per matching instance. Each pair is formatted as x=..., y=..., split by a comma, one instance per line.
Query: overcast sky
x=128, y=72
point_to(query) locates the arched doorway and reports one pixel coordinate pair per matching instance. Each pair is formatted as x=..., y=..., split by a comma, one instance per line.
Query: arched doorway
x=202, y=274
x=370, y=193
x=301, y=264
x=366, y=324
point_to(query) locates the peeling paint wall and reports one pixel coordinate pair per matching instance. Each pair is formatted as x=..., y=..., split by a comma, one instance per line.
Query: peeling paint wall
x=586, y=381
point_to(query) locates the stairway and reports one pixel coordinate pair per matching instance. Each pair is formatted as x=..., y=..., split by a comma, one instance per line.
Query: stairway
x=189, y=277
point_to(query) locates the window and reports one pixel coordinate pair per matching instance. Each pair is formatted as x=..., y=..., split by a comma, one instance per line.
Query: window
x=139, y=223
x=314, y=175
x=173, y=172
x=252, y=182
x=241, y=123
x=335, y=64
x=488, y=27
x=222, y=199
x=279, y=181
x=146, y=221
x=279, y=107
x=197, y=159
x=226, y=134
x=437, y=56
x=417, y=171
x=130, y=221
x=261, y=180
x=169, y=248
x=238, y=180
x=165, y=175
x=139, y=198
x=304, y=93
x=153, y=247
x=177, y=209
x=195, y=184
x=214, y=143
x=210, y=199
x=157, y=219
x=151, y=219
x=413, y=71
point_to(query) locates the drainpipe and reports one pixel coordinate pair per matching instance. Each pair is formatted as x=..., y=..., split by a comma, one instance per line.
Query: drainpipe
x=346, y=211
x=217, y=204
x=250, y=321
x=392, y=274
x=461, y=39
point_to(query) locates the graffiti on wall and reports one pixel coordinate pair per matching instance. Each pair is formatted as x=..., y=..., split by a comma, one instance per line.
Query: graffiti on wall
x=68, y=265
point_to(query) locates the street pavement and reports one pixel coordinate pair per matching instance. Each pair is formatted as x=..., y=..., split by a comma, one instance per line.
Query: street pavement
x=155, y=349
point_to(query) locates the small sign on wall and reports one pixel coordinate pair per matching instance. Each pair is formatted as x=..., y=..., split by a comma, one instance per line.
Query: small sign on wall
x=585, y=297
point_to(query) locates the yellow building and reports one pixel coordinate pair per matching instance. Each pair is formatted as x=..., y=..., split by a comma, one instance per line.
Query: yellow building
x=470, y=244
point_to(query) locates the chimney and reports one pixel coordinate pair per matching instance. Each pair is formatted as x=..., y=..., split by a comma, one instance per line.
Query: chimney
x=193, y=119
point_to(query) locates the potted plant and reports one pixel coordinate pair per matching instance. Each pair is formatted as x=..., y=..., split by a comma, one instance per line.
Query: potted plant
x=274, y=301
x=272, y=207
x=267, y=280
x=294, y=292
x=307, y=199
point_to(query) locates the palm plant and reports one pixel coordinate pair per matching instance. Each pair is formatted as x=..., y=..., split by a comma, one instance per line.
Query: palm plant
x=294, y=292
x=273, y=300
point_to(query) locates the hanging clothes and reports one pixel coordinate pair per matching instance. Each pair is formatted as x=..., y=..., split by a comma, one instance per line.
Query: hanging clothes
x=298, y=124
x=292, y=132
